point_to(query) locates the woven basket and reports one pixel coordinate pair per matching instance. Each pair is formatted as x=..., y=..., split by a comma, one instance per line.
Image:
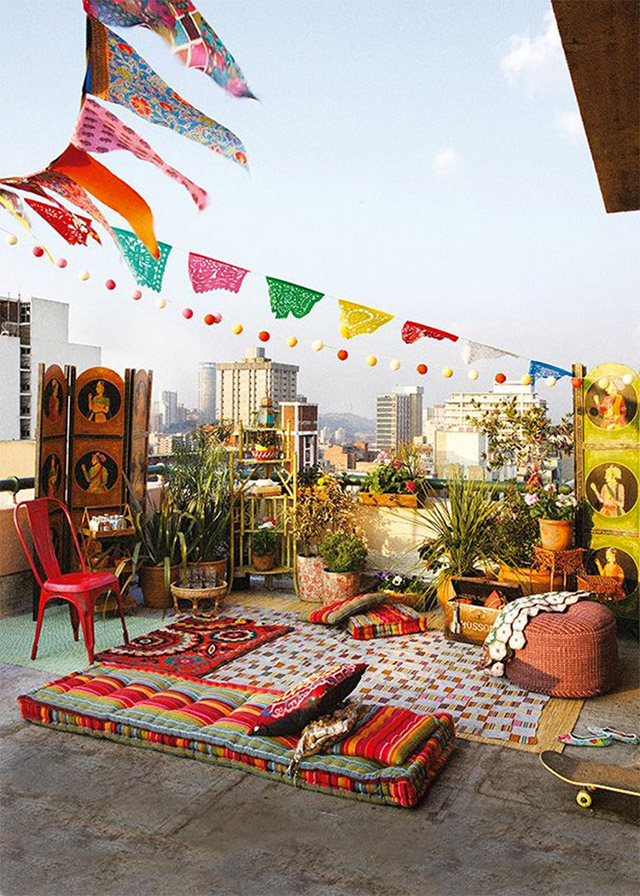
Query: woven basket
x=195, y=595
x=571, y=654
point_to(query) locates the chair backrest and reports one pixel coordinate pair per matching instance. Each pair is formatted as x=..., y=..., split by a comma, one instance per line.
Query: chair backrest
x=37, y=514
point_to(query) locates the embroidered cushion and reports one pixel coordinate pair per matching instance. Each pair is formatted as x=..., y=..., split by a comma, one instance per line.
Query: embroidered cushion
x=315, y=696
x=387, y=620
x=332, y=614
x=387, y=734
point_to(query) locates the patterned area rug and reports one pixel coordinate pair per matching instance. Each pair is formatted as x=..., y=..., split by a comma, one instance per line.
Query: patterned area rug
x=424, y=673
x=193, y=646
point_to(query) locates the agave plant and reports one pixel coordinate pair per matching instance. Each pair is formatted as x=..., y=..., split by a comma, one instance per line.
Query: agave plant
x=460, y=539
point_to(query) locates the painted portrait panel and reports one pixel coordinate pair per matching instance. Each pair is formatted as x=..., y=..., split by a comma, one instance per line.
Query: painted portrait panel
x=612, y=490
x=99, y=402
x=610, y=404
x=616, y=563
x=96, y=473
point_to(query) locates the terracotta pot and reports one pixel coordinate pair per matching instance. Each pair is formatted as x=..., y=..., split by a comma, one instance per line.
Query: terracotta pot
x=556, y=535
x=311, y=583
x=445, y=593
x=532, y=581
x=340, y=586
x=264, y=562
x=154, y=593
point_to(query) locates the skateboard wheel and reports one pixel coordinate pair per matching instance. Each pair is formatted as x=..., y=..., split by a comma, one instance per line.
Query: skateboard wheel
x=583, y=799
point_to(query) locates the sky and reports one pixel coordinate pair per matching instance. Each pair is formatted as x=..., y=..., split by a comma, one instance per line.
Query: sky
x=422, y=157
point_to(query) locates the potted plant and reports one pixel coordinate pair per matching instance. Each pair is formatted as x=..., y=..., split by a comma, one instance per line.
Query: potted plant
x=265, y=445
x=554, y=511
x=323, y=506
x=459, y=538
x=344, y=557
x=265, y=544
x=198, y=484
x=395, y=481
x=408, y=589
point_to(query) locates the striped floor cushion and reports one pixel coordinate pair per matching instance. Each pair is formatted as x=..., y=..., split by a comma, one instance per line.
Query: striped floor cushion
x=212, y=721
x=386, y=620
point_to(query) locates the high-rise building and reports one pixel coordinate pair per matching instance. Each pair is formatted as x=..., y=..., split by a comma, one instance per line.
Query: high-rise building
x=393, y=421
x=461, y=408
x=241, y=385
x=170, y=410
x=33, y=331
x=415, y=394
x=206, y=391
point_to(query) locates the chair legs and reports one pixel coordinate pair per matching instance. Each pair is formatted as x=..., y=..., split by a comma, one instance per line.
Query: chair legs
x=118, y=593
x=75, y=621
x=41, y=605
x=86, y=620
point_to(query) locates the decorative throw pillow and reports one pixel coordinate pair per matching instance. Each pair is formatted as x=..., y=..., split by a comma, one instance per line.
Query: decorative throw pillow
x=315, y=696
x=319, y=735
x=332, y=614
x=387, y=734
x=387, y=620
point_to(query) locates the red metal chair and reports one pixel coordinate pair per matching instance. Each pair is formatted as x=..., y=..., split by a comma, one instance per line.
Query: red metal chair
x=80, y=589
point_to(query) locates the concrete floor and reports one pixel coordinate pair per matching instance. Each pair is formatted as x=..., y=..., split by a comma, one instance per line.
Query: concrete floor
x=88, y=817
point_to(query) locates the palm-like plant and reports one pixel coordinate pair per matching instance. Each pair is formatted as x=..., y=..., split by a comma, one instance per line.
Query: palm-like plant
x=460, y=539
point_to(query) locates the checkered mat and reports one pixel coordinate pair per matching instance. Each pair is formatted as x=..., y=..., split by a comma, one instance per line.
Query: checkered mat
x=424, y=673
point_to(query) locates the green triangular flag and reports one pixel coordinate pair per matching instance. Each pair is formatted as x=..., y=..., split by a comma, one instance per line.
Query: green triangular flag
x=144, y=267
x=288, y=298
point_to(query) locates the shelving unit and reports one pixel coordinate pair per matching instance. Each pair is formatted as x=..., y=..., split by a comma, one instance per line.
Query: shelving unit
x=249, y=509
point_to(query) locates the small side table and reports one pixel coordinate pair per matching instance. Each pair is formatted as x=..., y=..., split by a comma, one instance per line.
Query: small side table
x=195, y=594
x=567, y=563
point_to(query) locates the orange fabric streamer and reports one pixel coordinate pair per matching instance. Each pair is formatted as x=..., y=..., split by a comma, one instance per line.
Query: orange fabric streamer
x=107, y=188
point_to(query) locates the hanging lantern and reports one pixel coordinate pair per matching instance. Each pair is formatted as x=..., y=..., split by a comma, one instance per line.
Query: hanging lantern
x=526, y=379
x=500, y=378
x=473, y=374
x=394, y=364
x=422, y=369
x=161, y=304
x=317, y=345
x=136, y=294
x=292, y=341
x=187, y=313
x=343, y=354
x=371, y=360
x=236, y=329
x=38, y=251
x=111, y=284
x=447, y=373
x=267, y=414
x=61, y=262
x=217, y=318
x=551, y=381
x=209, y=319
x=12, y=239
x=264, y=336
x=84, y=275
x=627, y=379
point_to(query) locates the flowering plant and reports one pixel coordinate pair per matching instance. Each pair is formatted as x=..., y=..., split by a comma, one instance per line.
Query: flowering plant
x=400, y=584
x=396, y=474
x=321, y=509
x=546, y=501
x=265, y=540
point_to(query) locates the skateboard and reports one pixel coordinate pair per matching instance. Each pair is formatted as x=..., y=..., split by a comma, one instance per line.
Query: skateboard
x=591, y=776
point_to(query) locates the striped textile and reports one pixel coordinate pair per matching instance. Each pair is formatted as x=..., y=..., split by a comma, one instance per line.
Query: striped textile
x=174, y=714
x=332, y=614
x=386, y=620
x=387, y=734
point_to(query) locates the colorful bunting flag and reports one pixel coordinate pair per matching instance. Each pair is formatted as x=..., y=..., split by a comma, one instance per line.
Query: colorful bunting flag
x=116, y=73
x=358, y=319
x=114, y=192
x=194, y=42
x=289, y=298
x=539, y=368
x=147, y=270
x=476, y=351
x=98, y=130
x=209, y=273
x=73, y=228
x=412, y=331
x=13, y=204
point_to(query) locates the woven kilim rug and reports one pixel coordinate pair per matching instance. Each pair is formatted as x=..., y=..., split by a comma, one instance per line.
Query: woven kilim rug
x=424, y=673
x=193, y=645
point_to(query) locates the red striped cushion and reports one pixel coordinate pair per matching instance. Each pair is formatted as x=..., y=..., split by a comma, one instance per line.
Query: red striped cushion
x=388, y=735
x=332, y=614
x=387, y=620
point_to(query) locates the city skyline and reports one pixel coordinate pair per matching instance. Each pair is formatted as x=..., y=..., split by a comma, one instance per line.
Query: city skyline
x=482, y=217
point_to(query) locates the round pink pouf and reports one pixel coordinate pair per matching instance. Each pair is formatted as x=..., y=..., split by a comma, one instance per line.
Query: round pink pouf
x=570, y=654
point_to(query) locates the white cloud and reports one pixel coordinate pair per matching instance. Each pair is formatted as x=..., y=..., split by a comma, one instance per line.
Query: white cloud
x=537, y=62
x=569, y=123
x=445, y=160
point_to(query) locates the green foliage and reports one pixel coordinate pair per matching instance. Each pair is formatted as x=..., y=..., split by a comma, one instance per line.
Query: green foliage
x=198, y=485
x=523, y=438
x=322, y=508
x=265, y=541
x=343, y=553
x=459, y=538
x=397, y=474
x=514, y=532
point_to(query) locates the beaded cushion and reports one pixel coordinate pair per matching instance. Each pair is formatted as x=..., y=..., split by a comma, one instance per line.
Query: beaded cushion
x=387, y=620
x=332, y=614
x=312, y=697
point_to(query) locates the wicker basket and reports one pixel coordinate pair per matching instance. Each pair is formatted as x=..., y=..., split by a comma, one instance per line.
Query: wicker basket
x=195, y=595
x=571, y=654
x=603, y=588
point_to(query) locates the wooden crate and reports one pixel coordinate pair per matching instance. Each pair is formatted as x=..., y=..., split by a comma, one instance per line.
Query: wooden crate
x=472, y=622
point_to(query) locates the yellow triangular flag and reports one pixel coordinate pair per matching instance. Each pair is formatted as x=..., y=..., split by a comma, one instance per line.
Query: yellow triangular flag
x=358, y=319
